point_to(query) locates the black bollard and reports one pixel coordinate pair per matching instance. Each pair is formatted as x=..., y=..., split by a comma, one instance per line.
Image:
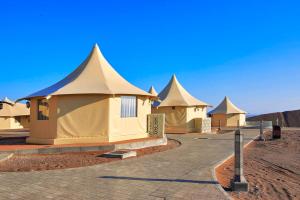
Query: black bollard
x=239, y=182
x=261, y=131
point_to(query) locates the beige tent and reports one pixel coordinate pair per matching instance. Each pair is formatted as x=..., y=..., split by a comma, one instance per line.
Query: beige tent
x=153, y=91
x=93, y=104
x=180, y=108
x=227, y=115
x=13, y=115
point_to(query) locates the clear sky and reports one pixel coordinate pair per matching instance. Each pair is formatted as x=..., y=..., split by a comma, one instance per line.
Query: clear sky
x=247, y=50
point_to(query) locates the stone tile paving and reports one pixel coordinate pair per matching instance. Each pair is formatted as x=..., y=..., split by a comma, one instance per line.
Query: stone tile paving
x=181, y=173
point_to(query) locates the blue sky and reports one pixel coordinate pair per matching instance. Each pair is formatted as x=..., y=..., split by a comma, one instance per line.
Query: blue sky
x=247, y=50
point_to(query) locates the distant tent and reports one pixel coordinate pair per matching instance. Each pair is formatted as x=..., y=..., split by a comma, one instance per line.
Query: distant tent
x=226, y=114
x=13, y=115
x=180, y=108
x=92, y=104
x=153, y=91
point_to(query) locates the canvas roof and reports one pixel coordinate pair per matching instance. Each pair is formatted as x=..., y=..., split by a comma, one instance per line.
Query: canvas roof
x=11, y=109
x=227, y=107
x=94, y=76
x=152, y=91
x=7, y=100
x=175, y=95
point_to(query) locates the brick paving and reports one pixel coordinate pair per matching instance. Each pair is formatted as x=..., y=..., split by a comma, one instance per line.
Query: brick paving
x=180, y=173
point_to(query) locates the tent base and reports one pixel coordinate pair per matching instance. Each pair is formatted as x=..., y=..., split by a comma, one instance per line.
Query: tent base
x=81, y=140
x=180, y=130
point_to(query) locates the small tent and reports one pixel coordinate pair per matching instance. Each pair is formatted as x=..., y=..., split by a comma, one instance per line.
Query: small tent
x=13, y=115
x=227, y=115
x=153, y=91
x=180, y=108
x=92, y=104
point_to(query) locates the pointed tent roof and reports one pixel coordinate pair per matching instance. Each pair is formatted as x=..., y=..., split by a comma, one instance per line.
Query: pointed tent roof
x=12, y=109
x=7, y=100
x=94, y=76
x=175, y=95
x=227, y=107
x=152, y=91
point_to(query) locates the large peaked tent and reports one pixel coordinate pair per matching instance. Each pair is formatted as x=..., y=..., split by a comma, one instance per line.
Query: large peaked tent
x=226, y=114
x=180, y=108
x=92, y=104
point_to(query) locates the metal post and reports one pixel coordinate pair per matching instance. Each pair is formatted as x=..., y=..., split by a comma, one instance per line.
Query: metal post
x=261, y=132
x=238, y=183
x=219, y=124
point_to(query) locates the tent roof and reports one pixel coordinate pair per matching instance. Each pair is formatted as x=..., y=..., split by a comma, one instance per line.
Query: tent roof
x=11, y=109
x=152, y=91
x=94, y=76
x=227, y=107
x=7, y=100
x=175, y=95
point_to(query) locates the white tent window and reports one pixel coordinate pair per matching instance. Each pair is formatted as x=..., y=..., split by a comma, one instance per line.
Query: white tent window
x=128, y=106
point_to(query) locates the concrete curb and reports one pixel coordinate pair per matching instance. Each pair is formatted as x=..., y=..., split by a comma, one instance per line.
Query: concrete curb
x=8, y=156
x=109, y=147
x=213, y=169
x=145, y=144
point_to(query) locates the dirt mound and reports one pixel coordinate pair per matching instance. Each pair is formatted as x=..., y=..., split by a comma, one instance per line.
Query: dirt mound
x=286, y=119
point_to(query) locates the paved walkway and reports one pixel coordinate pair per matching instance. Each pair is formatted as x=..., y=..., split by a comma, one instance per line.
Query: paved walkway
x=181, y=173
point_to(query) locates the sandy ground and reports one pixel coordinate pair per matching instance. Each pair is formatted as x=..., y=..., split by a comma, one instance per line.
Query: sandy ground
x=39, y=162
x=272, y=169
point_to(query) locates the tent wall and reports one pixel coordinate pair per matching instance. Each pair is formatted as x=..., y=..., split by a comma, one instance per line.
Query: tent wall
x=175, y=119
x=5, y=122
x=43, y=131
x=88, y=119
x=82, y=118
x=131, y=127
x=181, y=119
x=192, y=113
x=217, y=118
x=24, y=121
x=242, y=119
x=234, y=119
x=229, y=120
x=14, y=122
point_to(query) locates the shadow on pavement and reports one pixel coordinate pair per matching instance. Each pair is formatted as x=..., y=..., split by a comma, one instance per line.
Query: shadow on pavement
x=158, y=180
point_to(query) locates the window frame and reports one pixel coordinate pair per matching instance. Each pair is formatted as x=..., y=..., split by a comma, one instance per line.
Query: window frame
x=41, y=102
x=136, y=107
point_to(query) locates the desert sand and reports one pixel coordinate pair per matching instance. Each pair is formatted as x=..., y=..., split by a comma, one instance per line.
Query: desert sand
x=272, y=169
